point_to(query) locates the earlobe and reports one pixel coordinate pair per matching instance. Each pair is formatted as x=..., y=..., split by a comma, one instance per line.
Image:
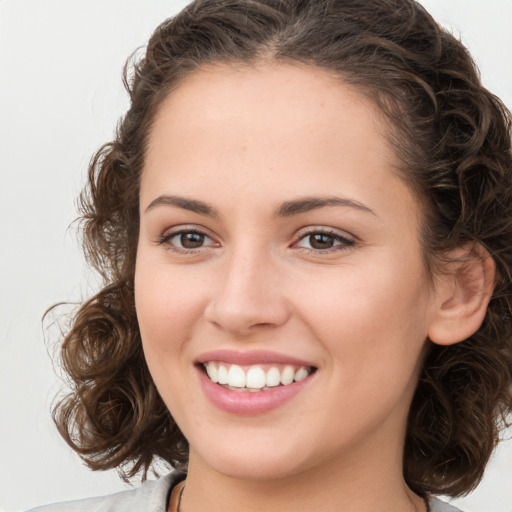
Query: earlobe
x=463, y=292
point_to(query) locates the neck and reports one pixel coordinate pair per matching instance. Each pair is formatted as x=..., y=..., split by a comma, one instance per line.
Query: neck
x=356, y=484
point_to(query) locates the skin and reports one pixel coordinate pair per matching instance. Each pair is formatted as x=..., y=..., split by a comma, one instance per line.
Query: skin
x=244, y=141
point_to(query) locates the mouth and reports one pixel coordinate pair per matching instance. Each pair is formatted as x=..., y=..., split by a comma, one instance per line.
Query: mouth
x=252, y=382
x=254, y=378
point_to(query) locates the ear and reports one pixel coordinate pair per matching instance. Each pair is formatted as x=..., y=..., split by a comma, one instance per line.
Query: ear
x=463, y=291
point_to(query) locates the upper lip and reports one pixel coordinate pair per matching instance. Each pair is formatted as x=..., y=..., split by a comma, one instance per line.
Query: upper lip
x=247, y=358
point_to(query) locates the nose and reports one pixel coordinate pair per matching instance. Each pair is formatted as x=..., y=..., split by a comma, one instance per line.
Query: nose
x=248, y=297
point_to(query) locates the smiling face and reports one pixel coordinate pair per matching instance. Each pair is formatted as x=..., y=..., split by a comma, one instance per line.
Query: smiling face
x=279, y=251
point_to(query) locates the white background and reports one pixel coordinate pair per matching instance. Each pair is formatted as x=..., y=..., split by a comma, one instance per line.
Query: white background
x=60, y=97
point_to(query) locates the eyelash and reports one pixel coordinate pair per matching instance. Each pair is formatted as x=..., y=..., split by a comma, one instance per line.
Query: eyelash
x=166, y=240
x=344, y=243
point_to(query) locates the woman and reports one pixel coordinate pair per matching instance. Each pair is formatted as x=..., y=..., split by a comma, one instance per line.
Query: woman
x=304, y=227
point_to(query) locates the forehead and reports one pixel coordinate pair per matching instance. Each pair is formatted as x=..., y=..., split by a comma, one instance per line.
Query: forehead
x=268, y=131
x=271, y=104
x=219, y=91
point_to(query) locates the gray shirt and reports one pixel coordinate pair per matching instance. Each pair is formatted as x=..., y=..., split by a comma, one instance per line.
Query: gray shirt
x=152, y=496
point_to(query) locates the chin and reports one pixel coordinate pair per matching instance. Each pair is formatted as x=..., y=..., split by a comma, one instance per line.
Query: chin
x=256, y=471
x=255, y=463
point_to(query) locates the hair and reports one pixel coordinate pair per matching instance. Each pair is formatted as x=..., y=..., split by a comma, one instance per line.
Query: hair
x=452, y=138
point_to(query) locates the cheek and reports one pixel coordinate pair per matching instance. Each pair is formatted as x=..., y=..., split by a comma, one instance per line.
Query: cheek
x=370, y=321
x=168, y=304
x=373, y=333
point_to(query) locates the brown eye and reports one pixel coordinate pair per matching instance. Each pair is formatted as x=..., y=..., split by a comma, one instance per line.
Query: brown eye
x=324, y=241
x=187, y=240
x=321, y=241
x=191, y=240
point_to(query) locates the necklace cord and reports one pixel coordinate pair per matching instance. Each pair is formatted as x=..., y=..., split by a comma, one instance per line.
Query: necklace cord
x=178, y=508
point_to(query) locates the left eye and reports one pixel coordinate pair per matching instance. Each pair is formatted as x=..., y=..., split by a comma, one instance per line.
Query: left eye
x=319, y=241
x=187, y=240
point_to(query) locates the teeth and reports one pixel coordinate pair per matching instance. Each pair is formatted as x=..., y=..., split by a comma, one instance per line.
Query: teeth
x=301, y=374
x=222, y=375
x=212, y=372
x=254, y=378
x=288, y=375
x=236, y=377
x=273, y=377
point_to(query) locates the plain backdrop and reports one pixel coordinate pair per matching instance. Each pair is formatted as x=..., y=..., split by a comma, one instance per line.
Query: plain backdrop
x=60, y=98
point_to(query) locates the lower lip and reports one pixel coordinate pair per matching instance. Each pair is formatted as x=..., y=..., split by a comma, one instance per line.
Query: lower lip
x=247, y=403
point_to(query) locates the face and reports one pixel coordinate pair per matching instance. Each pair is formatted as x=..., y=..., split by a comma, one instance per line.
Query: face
x=279, y=252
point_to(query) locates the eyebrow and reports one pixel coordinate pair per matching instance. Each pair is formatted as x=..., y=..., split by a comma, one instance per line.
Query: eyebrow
x=306, y=204
x=191, y=205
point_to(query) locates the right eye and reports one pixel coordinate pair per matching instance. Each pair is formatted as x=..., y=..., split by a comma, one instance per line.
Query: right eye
x=185, y=240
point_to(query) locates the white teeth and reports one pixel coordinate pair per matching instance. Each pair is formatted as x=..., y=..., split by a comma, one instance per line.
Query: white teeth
x=222, y=375
x=256, y=378
x=236, y=376
x=287, y=375
x=273, y=377
x=212, y=372
x=301, y=374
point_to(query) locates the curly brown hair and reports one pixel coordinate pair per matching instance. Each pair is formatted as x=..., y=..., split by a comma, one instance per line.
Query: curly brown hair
x=453, y=139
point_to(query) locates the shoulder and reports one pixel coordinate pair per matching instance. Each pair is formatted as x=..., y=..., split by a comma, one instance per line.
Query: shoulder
x=436, y=505
x=151, y=496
